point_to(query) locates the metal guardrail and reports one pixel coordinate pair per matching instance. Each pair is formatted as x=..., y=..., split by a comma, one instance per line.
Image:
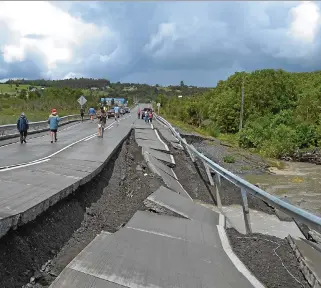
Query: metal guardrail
x=312, y=221
x=10, y=130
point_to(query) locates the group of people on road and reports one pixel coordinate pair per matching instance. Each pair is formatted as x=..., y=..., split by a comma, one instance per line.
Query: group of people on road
x=23, y=126
x=147, y=115
x=102, y=116
x=54, y=119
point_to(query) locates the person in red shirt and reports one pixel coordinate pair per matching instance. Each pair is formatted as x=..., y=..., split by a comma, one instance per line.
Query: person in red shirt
x=150, y=116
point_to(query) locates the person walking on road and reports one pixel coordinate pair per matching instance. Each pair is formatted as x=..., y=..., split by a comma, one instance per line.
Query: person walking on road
x=23, y=126
x=53, y=122
x=146, y=116
x=138, y=113
x=102, y=119
x=82, y=113
x=116, y=111
x=150, y=116
x=91, y=113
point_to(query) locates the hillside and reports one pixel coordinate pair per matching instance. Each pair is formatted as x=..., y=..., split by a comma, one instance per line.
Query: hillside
x=38, y=97
x=281, y=111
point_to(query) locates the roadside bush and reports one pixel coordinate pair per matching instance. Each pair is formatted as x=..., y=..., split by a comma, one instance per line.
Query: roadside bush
x=255, y=133
x=306, y=135
x=282, y=142
x=229, y=159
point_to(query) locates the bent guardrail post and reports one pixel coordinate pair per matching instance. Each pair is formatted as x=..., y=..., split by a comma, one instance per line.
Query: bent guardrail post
x=217, y=190
x=312, y=221
x=190, y=153
x=216, y=183
x=246, y=211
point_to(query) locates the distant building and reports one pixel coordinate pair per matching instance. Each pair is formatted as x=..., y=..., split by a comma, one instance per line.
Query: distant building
x=119, y=101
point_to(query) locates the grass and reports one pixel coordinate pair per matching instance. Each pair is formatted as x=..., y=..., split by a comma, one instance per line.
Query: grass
x=231, y=139
x=229, y=159
x=32, y=116
x=95, y=93
x=5, y=88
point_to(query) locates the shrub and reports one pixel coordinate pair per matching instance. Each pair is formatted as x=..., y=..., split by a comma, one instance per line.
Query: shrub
x=229, y=159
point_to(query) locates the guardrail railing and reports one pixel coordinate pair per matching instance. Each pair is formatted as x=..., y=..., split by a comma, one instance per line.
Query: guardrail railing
x=10, y=130
x=312, y=221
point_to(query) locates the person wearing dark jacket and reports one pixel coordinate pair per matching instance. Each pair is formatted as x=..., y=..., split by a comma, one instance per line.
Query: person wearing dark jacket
x=23, y=126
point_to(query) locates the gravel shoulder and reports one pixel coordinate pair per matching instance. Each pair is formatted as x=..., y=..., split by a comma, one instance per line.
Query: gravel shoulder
x=245, y=161
x=269, y=258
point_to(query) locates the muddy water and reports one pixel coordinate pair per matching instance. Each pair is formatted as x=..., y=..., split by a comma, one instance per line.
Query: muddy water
x=300, y=183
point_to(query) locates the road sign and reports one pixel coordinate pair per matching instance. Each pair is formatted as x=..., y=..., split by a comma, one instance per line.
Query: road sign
x=158, y=104
x=82, y=100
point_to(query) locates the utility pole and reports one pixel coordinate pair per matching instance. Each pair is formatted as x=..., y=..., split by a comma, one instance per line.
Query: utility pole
x=242, y=107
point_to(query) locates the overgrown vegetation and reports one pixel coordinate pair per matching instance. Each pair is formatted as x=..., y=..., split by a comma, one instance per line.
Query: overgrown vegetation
x=281, y=111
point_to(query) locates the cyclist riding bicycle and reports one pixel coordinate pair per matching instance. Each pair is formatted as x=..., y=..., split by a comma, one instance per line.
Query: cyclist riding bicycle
x=102, y=119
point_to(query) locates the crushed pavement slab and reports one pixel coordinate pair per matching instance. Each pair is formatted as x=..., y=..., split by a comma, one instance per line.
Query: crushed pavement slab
x=166, y=157
x=139, y=259
x=183, y=206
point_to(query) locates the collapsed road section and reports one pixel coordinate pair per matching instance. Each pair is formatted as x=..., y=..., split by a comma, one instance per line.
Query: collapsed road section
x=176, y=243
x=37, y=252
x=136, y=225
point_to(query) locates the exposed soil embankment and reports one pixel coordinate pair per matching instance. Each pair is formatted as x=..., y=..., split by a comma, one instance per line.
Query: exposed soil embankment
x=269, y=258
x=229, y=193
x=42, y=248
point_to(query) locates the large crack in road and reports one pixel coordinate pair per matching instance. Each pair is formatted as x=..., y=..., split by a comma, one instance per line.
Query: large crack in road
x=41, y=249
x=44, y=247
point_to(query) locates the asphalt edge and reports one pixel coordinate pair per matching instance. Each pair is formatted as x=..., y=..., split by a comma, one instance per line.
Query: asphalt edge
x=309, y=275
x=13, y=136
x=14, y=221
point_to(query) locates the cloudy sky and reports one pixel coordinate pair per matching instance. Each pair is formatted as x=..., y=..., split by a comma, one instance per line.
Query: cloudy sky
x=157, y=42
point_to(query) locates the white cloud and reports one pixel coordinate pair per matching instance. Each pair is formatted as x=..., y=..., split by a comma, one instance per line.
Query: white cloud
x=306, y=21
x=56, y=33
x=157, y=42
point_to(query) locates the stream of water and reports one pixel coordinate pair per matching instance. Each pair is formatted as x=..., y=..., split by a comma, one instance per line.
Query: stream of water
x=300, y=183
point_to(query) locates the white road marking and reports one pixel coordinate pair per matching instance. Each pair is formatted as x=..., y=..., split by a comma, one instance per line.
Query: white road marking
x=26, y=165
x=172, y=158
x=181, y=184
x=90, y=138
x=221, y=220
x=235, y=260
x=166, y=147
x=21, y=165
x=40, y=136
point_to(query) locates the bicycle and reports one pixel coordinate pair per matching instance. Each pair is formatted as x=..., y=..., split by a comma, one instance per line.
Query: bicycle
x=101, y=130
